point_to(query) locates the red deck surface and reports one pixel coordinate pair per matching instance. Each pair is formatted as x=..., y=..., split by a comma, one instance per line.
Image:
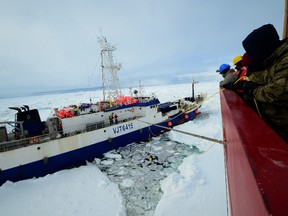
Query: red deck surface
x=256, y=161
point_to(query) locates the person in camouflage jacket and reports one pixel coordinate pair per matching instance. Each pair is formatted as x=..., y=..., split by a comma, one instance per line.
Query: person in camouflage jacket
x=271, y=90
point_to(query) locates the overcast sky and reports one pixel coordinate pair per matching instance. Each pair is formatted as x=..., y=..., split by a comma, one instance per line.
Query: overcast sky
x=52, y=45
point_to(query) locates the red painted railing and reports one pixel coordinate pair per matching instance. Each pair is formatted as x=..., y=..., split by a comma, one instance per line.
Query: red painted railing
x=256, y=161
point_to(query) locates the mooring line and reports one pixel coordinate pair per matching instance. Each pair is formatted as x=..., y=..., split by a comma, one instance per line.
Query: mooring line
x=187, y=133
x=208, y=98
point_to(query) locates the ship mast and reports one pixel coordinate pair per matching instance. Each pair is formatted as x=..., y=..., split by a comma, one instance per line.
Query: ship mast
x=110, y=81
x=193, y=83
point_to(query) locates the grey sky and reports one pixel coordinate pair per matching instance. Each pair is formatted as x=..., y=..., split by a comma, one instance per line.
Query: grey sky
x=52, y=45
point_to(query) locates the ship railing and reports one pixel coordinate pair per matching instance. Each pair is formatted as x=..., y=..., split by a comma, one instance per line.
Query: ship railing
x=98, y=125
x=19, y=143
x=94, y=126
x=15, y=144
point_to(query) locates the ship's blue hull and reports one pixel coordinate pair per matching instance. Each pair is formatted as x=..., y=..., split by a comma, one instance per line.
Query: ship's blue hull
x=80, y=156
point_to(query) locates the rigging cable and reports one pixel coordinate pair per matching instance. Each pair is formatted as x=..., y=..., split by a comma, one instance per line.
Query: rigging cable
x=187, y=133
x=90, y=80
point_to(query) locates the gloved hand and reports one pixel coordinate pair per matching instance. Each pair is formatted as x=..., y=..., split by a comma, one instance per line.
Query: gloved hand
x=230, y=86
x=247, y=86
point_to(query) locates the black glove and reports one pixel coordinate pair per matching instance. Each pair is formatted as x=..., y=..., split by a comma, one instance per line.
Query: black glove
x=247, y=86
x=229, y=86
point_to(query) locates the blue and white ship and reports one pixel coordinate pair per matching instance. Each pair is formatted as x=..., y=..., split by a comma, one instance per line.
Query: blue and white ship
x=72, y=135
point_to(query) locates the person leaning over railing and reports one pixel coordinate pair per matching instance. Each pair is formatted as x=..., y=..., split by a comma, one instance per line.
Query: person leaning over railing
x=228, y=73
x=271, y=94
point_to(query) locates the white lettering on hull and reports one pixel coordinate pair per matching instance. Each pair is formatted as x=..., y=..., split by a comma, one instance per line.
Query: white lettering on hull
x=122, y=128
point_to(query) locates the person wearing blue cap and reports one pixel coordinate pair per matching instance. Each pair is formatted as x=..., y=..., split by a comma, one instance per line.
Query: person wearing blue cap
x=228, y=73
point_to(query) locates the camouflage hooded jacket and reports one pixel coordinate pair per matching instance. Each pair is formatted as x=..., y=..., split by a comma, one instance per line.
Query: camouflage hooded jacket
x=273, y=95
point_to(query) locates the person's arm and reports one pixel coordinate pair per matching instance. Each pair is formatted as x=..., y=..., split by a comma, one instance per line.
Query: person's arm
x=276, y=91
x=230, y=78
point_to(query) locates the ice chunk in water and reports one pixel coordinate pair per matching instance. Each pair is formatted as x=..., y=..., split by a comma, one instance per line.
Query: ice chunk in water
x=138, y=176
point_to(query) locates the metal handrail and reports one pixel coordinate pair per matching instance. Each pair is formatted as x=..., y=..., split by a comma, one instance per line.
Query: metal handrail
x=15, y=144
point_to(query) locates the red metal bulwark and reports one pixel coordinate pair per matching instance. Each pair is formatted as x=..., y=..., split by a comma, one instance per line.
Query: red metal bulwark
x=256, y=161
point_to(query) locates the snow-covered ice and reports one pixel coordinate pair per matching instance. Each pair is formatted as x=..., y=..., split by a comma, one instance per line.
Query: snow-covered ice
x=79, y=191
x=197, y=187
